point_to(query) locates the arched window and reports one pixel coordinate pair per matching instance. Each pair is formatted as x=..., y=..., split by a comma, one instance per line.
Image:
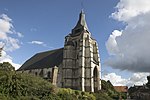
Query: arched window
x=49, y=74
x=30, y=71
x=36, y=73
x=95, y=78
x=41, y=73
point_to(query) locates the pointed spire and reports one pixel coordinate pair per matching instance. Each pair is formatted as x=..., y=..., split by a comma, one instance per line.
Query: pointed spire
x=82, y=21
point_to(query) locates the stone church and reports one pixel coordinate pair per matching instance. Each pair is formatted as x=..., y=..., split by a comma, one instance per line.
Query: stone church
x=76, y=65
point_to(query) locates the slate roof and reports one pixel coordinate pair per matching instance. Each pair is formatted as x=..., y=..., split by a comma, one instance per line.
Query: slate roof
x=44, y=60
x=81, y=21
x=80, y=26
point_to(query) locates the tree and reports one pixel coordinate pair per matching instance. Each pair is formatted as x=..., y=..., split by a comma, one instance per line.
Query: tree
x=1, y=49
x=6, y=66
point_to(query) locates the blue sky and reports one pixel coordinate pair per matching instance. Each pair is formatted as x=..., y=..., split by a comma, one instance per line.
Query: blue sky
x=49, y=21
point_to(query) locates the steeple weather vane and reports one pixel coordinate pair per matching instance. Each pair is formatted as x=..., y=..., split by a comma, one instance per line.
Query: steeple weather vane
x=82, y=6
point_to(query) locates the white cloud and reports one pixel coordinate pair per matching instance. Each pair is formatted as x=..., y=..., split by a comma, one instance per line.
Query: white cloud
x=37, y=43
x=5, y=25
x=127, y=9
x=33, y=29
x=3, y=36
x=111, y=43
x=138, y=79
x=13, y=44
x=10, y=44
x=131, y=50
x=7, y=28
x=135, y=79
x=6, y=58
x=19, y=34
x=116, y=80
x=5, y=17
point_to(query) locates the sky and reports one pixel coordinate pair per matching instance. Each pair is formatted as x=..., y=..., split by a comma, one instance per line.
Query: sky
x=120, y=27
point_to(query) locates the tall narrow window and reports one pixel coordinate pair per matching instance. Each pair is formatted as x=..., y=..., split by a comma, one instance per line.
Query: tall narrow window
x=49, y=74
x=36, y=73
x=41, y=73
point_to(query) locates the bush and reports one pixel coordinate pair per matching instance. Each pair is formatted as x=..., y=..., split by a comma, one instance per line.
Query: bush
x=69, y=94
x=14, y=84
x=22, y=86
x=108, y=88
x=101, y=95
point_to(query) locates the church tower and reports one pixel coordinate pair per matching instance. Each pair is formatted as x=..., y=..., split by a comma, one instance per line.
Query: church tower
x=81, y=61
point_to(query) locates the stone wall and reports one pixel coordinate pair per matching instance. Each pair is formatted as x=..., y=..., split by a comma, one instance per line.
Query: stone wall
x=51, y=74
x=80, y=61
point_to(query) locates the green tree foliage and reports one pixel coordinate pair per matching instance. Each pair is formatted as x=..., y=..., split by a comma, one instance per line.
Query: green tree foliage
x=14, y=84
x=6, y=66
x=108, y=88
x=101, y=95
x=21, y=86
x=69, y=94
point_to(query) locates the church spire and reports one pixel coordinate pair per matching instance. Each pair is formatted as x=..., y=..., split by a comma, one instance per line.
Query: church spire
x=82, y=21
x=81, y=24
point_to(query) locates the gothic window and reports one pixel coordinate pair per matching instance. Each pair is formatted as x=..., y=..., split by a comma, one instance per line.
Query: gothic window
x=41, y=73
x=66, y=39
x=95, y=74
x=62, y=84
x=30, y=71
x=36, y=73
x=49, y=74
x=75, y=43
x=95, y=54
x=77, y=56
